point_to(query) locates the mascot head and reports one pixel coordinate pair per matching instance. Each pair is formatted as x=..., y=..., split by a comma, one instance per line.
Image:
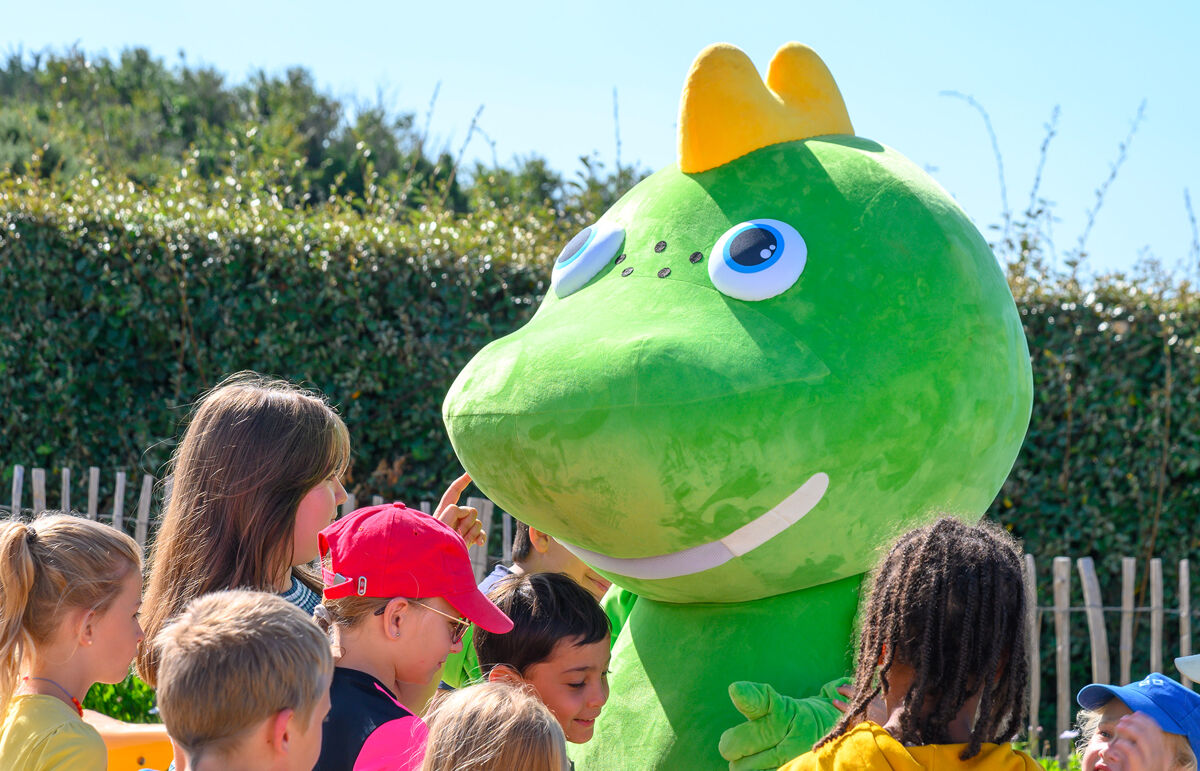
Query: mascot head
x=760, y=364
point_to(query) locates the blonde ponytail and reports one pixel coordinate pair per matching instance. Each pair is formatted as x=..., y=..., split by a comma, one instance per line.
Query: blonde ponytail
x=17, y=573
x=56, y=562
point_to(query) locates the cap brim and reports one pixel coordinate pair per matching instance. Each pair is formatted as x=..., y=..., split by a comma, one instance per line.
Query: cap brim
x=1096, y=696
x=1189, y=666
x=480, y=611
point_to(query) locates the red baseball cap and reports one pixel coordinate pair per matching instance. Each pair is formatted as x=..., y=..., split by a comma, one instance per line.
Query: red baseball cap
x=394, y=551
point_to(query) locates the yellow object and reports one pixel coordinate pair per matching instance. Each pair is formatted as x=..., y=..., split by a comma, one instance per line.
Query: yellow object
x=43, y=733
x=132, y=746
x=727, y=111
x=868, y=746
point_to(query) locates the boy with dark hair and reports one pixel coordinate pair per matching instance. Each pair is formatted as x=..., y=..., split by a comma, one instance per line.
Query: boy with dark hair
x=559, y=646
x=533, y=552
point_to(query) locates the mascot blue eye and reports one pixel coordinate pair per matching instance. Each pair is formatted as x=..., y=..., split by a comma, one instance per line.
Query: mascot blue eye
x=584, y=255
x=757, y=260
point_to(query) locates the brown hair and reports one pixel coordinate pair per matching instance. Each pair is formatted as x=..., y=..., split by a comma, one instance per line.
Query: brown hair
x=522, y=544
x=493, y=727
x=254, y=446
x=949, y=602
x=233, y=659
x=55, y=562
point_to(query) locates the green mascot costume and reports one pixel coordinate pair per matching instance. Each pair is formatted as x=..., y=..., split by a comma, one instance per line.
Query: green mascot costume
x=757, y=368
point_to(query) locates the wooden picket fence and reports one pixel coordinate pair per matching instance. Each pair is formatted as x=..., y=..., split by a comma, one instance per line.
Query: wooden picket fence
x=149, y=507
x=1094, y=610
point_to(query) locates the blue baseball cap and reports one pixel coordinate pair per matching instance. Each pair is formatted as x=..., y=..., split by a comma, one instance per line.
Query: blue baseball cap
x=1176, y=709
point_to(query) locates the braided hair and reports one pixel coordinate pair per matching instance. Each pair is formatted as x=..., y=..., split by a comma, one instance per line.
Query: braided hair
x=948, y=601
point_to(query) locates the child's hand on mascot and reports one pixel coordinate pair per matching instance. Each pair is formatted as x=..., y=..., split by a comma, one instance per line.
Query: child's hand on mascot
x=463, y=519
x=777, y=728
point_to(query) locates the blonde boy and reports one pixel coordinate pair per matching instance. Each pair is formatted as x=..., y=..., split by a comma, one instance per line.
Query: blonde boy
x=243, y=683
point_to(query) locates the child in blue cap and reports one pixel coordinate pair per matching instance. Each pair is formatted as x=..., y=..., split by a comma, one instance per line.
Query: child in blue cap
x=1150, y=725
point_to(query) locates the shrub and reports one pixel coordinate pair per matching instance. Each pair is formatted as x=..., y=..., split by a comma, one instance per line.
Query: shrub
x=118, y=305
x=130, y=700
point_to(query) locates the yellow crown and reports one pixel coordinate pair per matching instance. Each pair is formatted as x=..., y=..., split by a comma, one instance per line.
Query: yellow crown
x=727, y=111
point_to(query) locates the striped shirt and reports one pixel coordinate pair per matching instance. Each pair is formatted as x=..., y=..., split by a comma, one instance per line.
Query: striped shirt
x=302, y=597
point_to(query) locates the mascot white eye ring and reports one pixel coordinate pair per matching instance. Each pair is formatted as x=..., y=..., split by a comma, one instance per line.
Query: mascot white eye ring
x=584, y=256
x=757, y=259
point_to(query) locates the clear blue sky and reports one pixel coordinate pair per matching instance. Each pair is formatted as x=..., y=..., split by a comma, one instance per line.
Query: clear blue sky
x=544, y=74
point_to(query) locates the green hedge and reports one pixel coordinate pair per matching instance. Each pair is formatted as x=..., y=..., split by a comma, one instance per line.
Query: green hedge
x=1111, y=464
x=1110, y=467
x=118, y=305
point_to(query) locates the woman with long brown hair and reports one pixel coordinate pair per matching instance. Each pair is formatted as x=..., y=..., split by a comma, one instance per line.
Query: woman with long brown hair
x=255, y=478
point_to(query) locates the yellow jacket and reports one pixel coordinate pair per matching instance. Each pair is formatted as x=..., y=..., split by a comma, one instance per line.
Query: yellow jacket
x=867, y=747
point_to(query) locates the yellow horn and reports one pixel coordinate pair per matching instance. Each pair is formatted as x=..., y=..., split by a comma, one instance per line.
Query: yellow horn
x=727, y=111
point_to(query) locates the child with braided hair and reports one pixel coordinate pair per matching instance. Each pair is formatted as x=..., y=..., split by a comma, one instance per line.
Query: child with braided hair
x=942, y=644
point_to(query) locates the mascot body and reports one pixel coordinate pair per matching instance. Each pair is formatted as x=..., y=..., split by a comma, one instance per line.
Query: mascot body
x=753, y=371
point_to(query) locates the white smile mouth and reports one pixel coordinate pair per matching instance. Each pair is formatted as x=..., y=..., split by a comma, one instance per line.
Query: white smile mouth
x=709, y=555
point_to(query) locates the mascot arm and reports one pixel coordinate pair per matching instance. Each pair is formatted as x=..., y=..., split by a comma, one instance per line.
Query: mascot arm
x=777, y=728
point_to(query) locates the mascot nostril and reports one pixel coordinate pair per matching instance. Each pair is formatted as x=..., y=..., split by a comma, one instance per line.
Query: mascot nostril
x=734, y=443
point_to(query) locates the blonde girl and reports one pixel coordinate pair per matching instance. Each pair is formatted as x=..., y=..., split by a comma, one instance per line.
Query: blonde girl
x=70, y=591
x=494, y=726
x=255, y=478
x=1149, y=725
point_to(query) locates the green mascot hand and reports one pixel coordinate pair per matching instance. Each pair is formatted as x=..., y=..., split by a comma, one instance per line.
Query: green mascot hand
x=777, y=728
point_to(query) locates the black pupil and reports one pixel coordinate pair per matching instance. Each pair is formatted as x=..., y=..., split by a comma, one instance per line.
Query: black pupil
x=752, y=247
x=574, y=245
